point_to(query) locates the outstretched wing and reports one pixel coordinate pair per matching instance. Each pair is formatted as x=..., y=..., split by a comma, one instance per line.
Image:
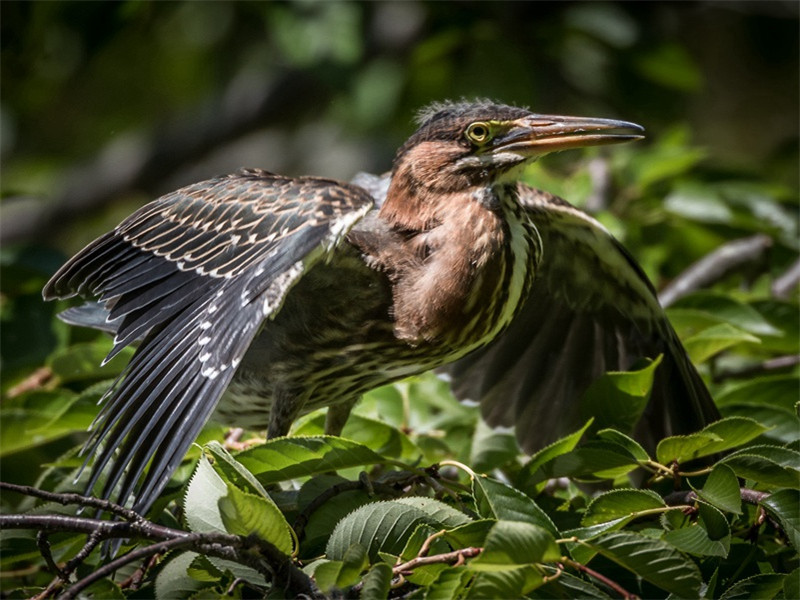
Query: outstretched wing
x=591, y=310
x=194, y=274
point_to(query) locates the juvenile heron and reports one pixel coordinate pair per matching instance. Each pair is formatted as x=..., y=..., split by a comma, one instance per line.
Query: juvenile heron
x=264, y=297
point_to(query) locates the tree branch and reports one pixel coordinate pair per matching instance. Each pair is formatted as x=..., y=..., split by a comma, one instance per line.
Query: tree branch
x=251, y=551
x=715, y=266
x=784, y=285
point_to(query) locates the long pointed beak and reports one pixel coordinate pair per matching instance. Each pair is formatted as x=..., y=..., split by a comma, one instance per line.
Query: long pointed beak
x=540, y=134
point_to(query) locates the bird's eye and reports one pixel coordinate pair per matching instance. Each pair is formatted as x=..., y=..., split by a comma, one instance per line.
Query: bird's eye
x=479, y=133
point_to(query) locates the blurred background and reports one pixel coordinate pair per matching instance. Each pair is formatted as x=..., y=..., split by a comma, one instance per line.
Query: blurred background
x=107, y=105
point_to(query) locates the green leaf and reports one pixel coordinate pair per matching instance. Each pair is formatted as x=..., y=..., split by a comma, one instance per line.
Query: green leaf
x=717, y=437
x=386, y=526
x=723, y=306
x=201, y=501
x=82, y=362
x=232, y=470
x=438, y=511
x=470, y=535
x=244, y=513
x=288, y=458
x=203, y=513
x=450, y=583
x=567, y=586
x=621, y=504
x=652, y=559
x=767, y=465
x=491, y=449
x=496, y=500
x=709, y=535
x=618, y=399
x=722, y=489
x=530, y=474
x=714, y=340
x=791, y=585
x=377, y=582
x=758, y=587
x=595, y=459
x=630, y=445
x=511, y=544
x=509, y=583
x=343, y=573
x=173, y=581
x=784, y=505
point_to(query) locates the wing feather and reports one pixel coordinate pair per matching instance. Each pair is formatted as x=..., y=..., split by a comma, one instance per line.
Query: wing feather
x=591, y=309
x=192, y=275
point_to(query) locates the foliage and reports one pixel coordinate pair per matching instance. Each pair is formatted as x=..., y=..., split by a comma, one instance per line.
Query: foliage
x=418, y=497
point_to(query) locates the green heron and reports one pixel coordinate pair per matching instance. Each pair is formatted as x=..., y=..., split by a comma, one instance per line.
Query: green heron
x=264, y=297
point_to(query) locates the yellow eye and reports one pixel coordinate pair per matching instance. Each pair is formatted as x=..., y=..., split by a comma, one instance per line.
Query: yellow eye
x=479, y=133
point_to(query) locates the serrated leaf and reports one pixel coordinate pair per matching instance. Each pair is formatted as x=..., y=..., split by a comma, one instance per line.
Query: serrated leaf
x=791, y=585
x=288, y=458
x=621, y=504
x=383, y=526
x=722, y=489
x=596, y=459
x=202, y=512
x=377, y=582
x=510, y=583
x=719, y=436
x=244, y=513
x=233, y=471
x=565, y=586
x=200, y=503
x=491, y=449
x=758, y=587
x=470, y=535
x=768, y=465
x=339, y=574
x=449, y=584
x=510, y=544
x=652, y=559
x=618, y=399
x=630, y=445
x=784, y=505
x=730, y=309
x=82, y=362
x=714, y=340
x=441, y=513
x=173, y=582
x=530, y=475
x=496, y=500
x=710, y=535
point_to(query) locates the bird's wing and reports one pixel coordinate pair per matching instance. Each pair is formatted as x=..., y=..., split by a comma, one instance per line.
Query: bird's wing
x=591, y=310
x=194, y=274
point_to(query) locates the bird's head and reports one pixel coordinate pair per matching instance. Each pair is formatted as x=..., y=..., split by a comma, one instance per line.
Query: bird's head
x=459, y=146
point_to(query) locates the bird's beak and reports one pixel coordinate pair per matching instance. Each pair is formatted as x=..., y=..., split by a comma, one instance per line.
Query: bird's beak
x=540, y=134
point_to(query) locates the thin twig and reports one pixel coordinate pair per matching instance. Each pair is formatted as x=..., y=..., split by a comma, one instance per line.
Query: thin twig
x=767, y=366
x=715, y=266
x=783, y=286
x=132, y=556
x=448, y=558
x=599, y=577
x=72, y=498
x=44, y=549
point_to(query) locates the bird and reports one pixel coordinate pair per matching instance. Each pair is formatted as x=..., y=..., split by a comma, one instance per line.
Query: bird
x=254, y=298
